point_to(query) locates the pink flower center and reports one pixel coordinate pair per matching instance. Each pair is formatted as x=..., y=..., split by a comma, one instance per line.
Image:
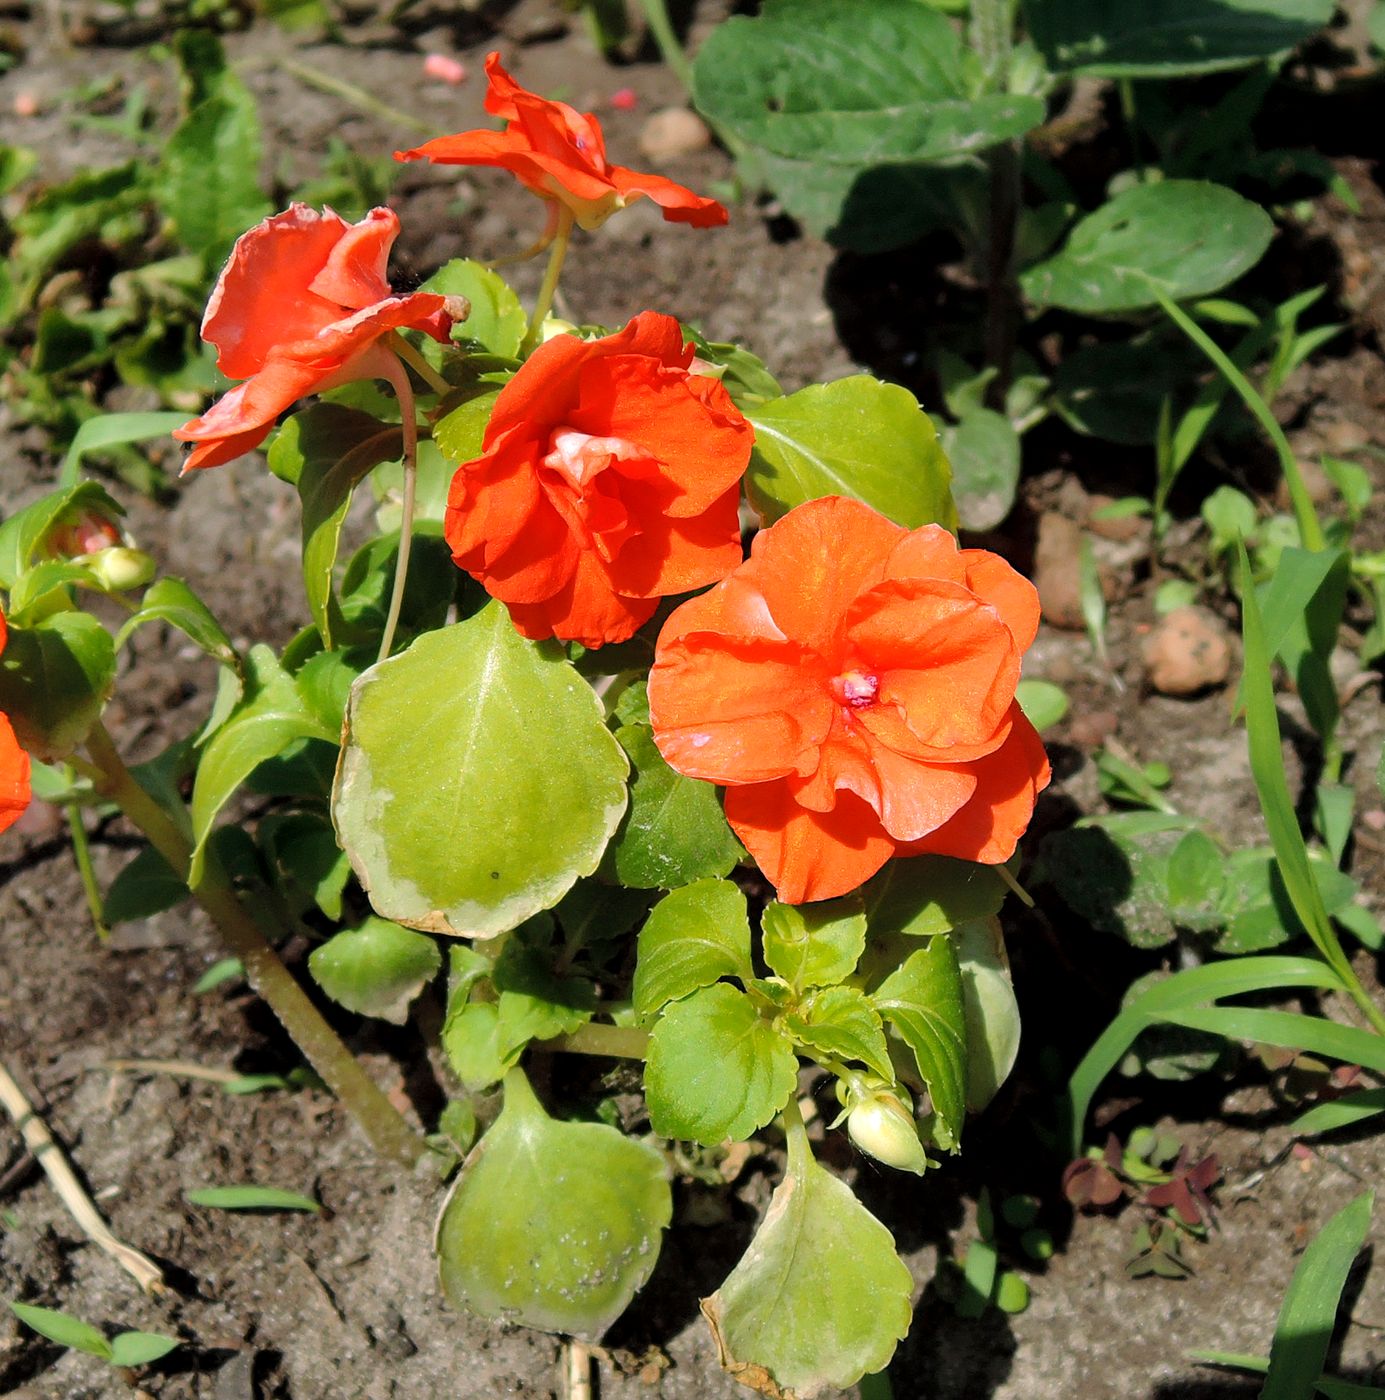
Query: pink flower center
x=855, y=689
x=580, y=456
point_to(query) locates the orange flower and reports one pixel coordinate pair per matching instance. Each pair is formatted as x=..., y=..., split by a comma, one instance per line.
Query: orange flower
x=560, y=154
x=301, y=307
x=609, y=478
x=853, y=685
x=14, y=764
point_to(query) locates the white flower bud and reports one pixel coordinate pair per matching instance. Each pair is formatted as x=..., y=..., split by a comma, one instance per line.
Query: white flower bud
x=884, y=1127
x=118, y=569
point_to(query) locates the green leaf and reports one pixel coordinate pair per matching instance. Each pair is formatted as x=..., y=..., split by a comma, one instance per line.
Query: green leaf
x=1178, y=238
x=376, y=969
x=854, y=437
x=270, y=718
x=930, y=894
x=140, y=1348
x=170, y=600
x=854, y=86
x=459, y=433
x=1175, y=37
x=820, y=1298
x=250, y=1198
x=716, y=1068
x=478, y=779
x=302, y=850
x=552, y=1225
x=1345, y=1112
x=923, y=1000
x=978, y=1278
x=63, y=1329
x=1288, y=1029
x=692, y=938
x=1011, y=1293
x=497, y=321
x=221, y=971
x=841, y=1022
x=55, y=678
x=1304, y=1330
x=146, y=886
x=113, y=430
x=984, y=450
x=536, y=1002
x=1044, y=704
x=989, y=1006
x=1192, y=987
x=814, y=945
x=674, y=831
x=471, y=1041
x=326, y=450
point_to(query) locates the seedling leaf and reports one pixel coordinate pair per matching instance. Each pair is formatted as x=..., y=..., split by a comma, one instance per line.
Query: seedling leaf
x=251, y=1198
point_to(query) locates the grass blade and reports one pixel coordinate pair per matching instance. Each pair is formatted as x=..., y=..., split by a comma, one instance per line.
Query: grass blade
x=1345, y=1112
x=251, y=1198
x=64, y=1329
x=1287, y=1029
x=1304, y=1330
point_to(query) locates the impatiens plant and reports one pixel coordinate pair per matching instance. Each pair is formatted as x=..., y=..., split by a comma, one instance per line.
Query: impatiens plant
x=497, y=749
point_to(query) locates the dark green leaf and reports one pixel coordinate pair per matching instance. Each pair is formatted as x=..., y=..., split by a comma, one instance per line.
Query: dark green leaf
x=146, y=886
x=114, y=430
x=930, y=894
x=55, y=677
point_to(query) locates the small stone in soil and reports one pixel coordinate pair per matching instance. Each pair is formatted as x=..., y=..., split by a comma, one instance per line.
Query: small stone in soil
x=1187, y=652
x=673, y=132
x=1057, y=571
x=1090, y=731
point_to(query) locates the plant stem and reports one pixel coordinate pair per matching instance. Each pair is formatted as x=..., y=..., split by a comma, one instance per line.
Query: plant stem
x=81, y=853
x=549, y=285
x=381, y=1122
x=617, y=1042
x=418, y=362
x=670, y=50
x=1126, y=87
x=399, y=381
x=1309, y=527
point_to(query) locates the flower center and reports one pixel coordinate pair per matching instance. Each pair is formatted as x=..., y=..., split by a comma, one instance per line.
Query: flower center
x=855, y=689
x=580, y=456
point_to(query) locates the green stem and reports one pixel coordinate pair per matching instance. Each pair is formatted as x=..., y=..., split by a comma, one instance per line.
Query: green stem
x=399, y=381
x=617, y=1042
x=1309, y=527
x=549, y=285
x=81, y=853
x=1126, y=87
x=670, y=50
x=418, y=362
x=381, y=1122
x=796, y=1131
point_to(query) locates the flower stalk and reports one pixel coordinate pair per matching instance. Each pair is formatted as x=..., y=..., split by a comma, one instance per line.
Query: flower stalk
x=561, y=237
x=399, y=381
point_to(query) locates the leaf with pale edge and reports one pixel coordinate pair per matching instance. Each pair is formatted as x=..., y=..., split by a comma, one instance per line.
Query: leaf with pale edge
x=376, y=969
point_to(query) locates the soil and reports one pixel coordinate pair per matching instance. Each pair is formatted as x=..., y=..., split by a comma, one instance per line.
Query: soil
x=344, y=1303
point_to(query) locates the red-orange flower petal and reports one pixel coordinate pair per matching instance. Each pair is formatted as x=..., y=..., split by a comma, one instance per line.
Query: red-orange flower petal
x=560, y=154
x=14, y=764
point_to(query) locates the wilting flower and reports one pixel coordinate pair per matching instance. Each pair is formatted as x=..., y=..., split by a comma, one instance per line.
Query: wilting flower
x=609, y=478
x=301, y=307
x=560, y=154
x=14, y=764
x=853, y=685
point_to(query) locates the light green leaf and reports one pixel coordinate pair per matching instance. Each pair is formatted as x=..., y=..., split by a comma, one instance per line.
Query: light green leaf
x=674, y=831
x=471, y=1041
x=114, y=430
x=1043, y=703
x=930, y=894
x=553, y=1225
x=170, y=600
x=692, y=938
x=376, y=969
x=459, y=433
x=716, y=1068
x=535, y=1001
x=1177, y=238
x=841, y=1022
x=984, y=450
x=855, y=437
x=853, y=85
x=1172, y=38
x=55, y=678
x=63, y=1329
x=923, y=1000
x=251, y=1198
x=270, y=718
x=497, y=321
x=140, y=1348
x=478, y=780
x=989, y=1005
x=1306, y=1319
x=814, y=945
x=221, y=971
x=820, y=1297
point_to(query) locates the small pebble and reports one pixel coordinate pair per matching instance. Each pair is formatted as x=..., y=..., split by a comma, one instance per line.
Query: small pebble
x=1122, y=529
x=624, y=100
x=444, y=69
x=1057, y=572
x=674, y=132
x=1373, y=819
x=1092, y=730
x=25, y=104
x=1187, y=652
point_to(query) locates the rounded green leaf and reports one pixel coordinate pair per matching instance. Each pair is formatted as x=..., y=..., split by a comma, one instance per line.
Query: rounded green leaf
x=1173, y=37
x=716, y=1068
x=854, y=437
x=478, y=780
x=376, y=969
x=855, y=85
x=814, y=945
x=841, y=1022
x=1177, y=238
x=140, y=1348
x=497, y=321
x=991, y=1011
x=693, y=937
x=1043, y=703
x=820, y=1297
x=984, y=450
x=55, y=678
x=675, y=831
x=553, y=1225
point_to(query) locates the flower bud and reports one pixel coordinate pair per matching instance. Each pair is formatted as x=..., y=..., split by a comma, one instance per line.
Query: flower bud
x=882, y=1126
x=555, y=325
x=81, y=535
x=119, y=569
